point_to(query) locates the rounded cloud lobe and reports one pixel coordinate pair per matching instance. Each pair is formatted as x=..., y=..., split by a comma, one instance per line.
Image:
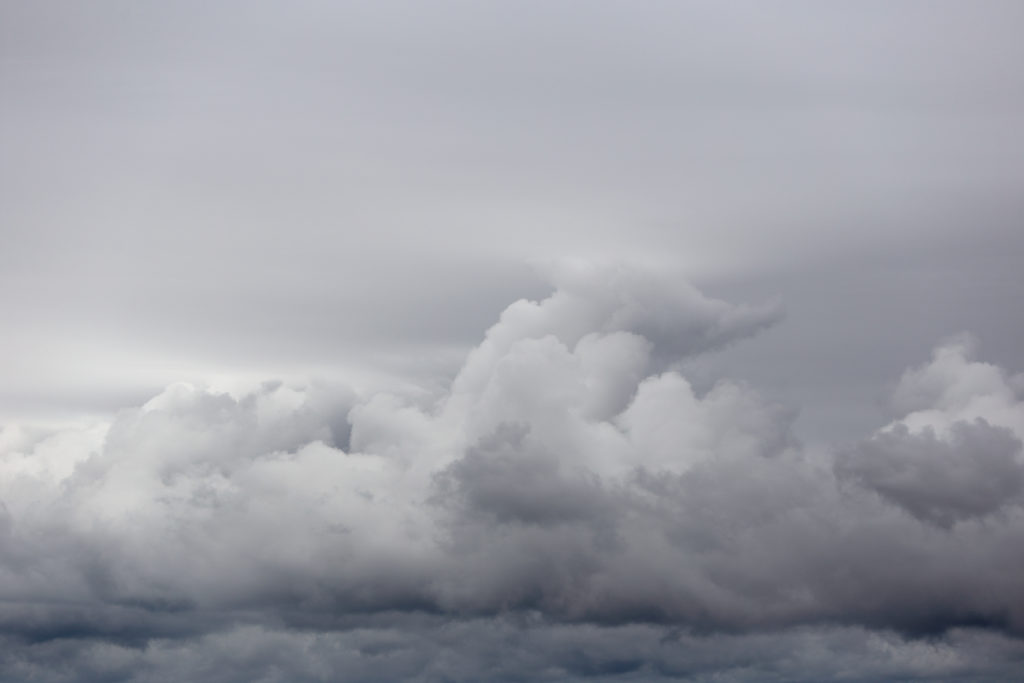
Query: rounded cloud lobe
x=571, y=507
x=955, y=452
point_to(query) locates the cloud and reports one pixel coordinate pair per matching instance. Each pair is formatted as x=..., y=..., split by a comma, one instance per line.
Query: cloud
x=515, y=649
x=974, y=473
x=571, y=490
x=954, y=387
x=955, y=453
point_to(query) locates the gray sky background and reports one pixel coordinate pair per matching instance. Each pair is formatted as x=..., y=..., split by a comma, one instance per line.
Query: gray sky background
x=325, y=193
x=193, y=187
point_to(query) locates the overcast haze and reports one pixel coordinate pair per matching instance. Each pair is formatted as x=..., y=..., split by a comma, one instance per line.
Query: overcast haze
x=511, y=341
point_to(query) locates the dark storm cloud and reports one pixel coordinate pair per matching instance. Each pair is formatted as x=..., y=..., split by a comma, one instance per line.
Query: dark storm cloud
x=510, y=649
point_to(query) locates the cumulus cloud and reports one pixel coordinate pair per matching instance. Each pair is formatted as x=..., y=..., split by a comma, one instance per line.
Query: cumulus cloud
x=955, y=452
x=571, y=492
x=976, y=471
x=953, y=387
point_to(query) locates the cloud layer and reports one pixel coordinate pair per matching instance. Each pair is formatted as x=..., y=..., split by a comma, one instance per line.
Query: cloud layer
x=571, y=506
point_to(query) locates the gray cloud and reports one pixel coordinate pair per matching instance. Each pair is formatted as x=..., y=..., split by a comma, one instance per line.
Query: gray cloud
x=977, y=472
x=617, y=481
x=511, y=649
x=567, y=473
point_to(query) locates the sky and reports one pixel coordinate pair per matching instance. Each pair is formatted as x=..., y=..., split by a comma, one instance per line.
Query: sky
x=461, y=341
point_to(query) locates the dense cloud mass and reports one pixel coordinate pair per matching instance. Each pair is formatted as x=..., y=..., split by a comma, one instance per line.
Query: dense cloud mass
x=523, y=340
x=570, y=507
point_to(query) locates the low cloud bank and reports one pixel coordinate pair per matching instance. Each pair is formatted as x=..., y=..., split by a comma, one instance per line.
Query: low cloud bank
x=571, y=507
